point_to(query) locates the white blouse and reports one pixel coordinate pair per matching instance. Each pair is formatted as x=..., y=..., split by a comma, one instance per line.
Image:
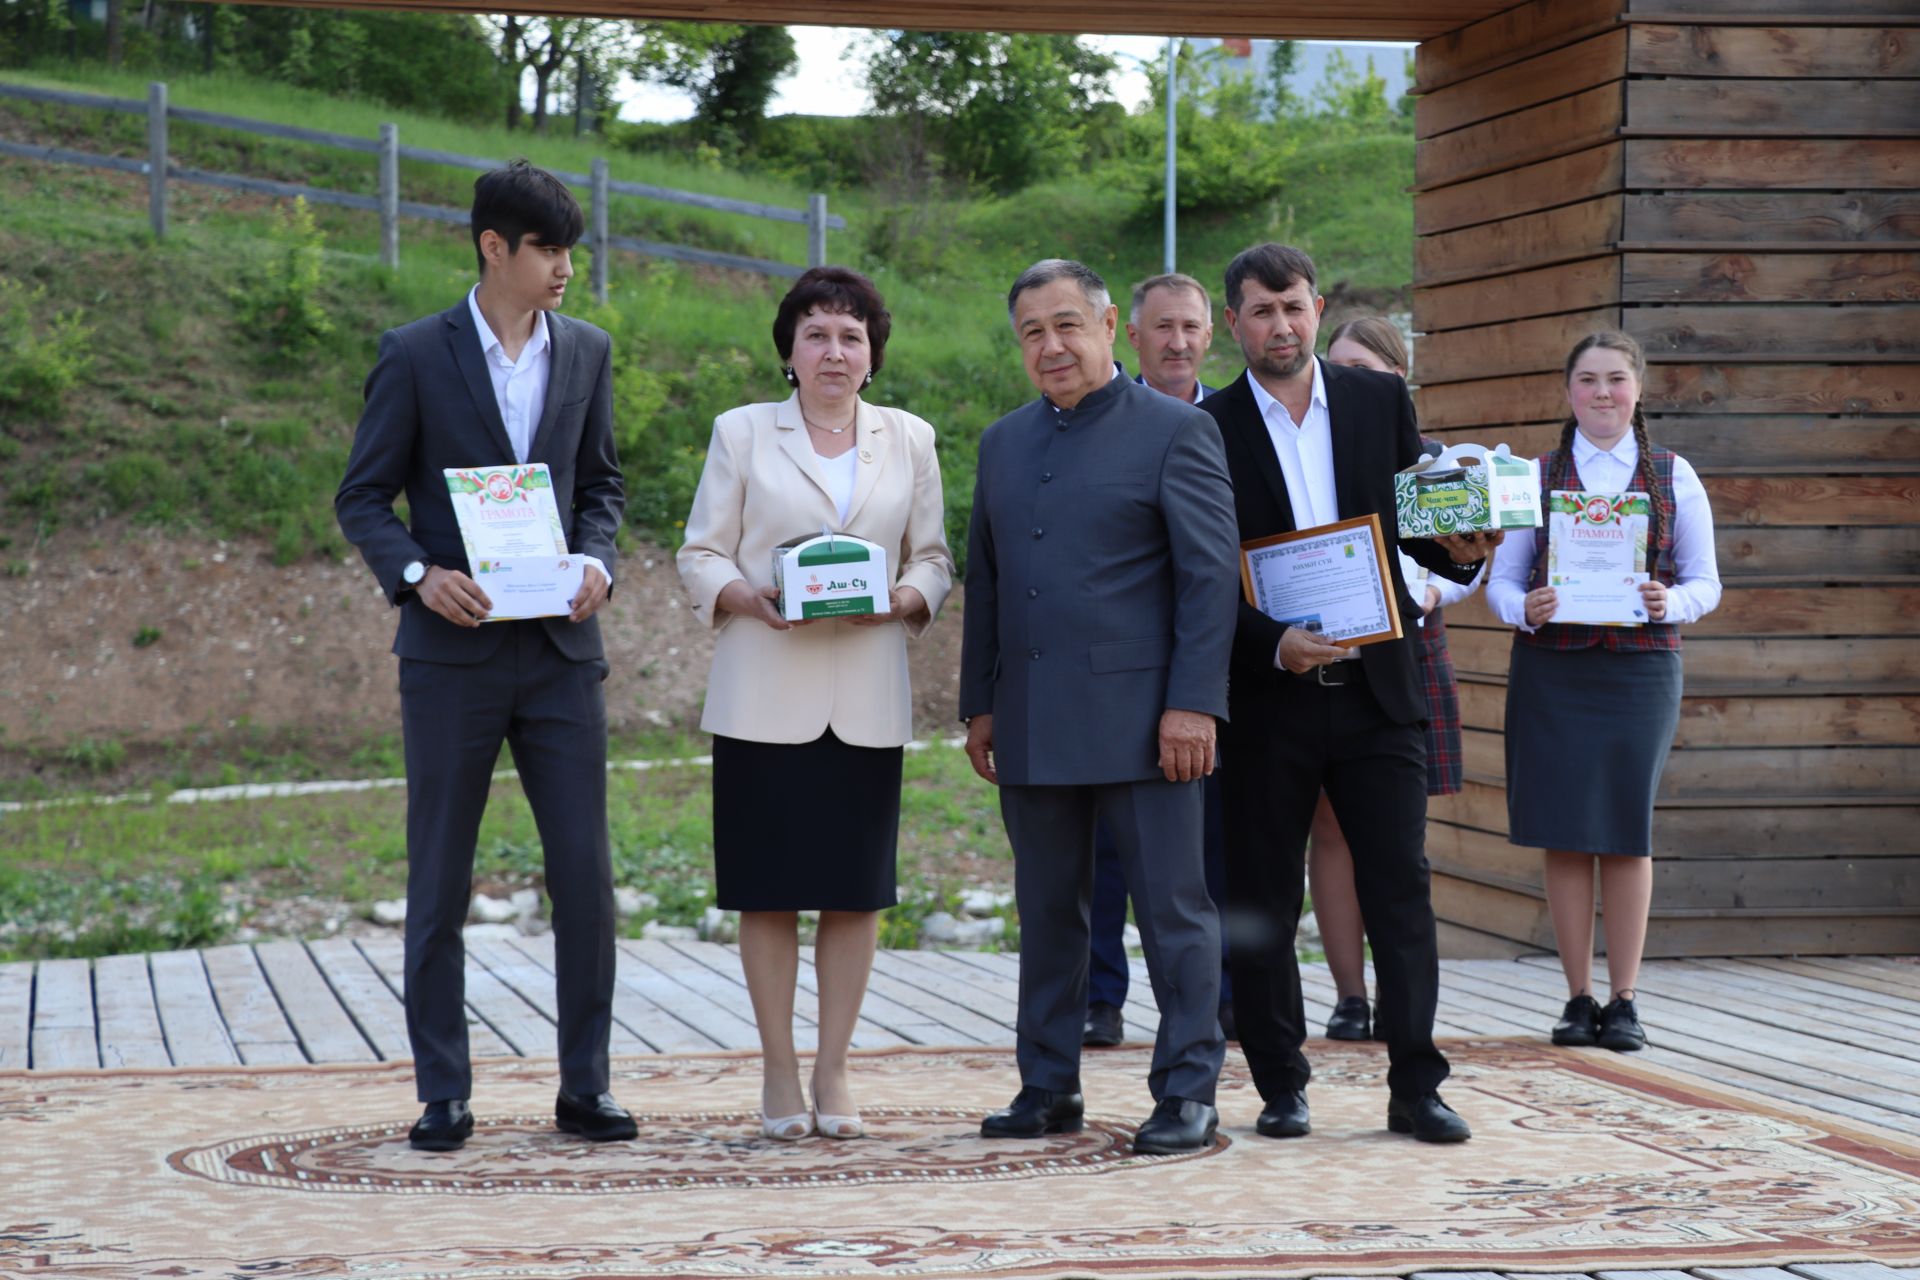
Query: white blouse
x=840, y=475
x=1696, y=588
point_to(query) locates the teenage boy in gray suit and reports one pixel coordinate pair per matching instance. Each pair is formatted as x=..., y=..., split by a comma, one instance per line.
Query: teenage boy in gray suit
x=499, y=377
x=1102, y=576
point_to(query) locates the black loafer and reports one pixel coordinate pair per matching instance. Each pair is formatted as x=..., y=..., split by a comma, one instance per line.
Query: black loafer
x=1350, y=1020
x=1427, y=1118
x=1620, y=1028
x=1176, y=1125
x=1034, y=1113
x=1285, y=1117
x=444, y=1126
x=1579, y=1023
x=597, y=1119
x=1103, y=1030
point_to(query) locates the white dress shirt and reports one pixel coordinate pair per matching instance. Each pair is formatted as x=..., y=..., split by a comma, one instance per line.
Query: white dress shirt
x=1306, y=452
x=520, y=386
x=1696, y=569
x=1306, y=462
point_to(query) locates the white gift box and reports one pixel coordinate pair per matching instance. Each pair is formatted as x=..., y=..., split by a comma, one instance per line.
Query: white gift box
x=1467, y=488
x=830, y=575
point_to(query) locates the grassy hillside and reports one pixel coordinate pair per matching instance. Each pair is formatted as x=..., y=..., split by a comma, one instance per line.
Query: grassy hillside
x=189, y=413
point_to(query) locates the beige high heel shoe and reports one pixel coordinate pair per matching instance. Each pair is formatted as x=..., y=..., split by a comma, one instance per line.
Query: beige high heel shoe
x=832, y=1126
x=786, y=1128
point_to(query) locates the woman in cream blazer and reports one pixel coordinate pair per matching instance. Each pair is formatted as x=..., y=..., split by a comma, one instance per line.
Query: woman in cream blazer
x=809, y=719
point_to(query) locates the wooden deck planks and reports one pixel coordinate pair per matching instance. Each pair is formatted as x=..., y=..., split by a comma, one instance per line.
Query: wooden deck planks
x=312, y=1007
x=376, y=1011
x=63, y=1026
x=1751, y=1055
x=129, y=1020
x=196, y=1034
x=16, y=1016
x=514, y=965
x=260, y=1030
x=1836, y=1035
x=387, y=958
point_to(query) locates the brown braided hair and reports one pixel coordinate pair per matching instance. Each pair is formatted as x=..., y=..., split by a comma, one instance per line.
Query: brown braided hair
x=1628, y=346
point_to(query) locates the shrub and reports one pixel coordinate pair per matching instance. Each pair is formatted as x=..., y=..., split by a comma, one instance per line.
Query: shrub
x=39, y=359
x=281, y=302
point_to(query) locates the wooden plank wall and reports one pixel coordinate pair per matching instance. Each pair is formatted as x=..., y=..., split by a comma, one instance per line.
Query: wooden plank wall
x=1736, y=183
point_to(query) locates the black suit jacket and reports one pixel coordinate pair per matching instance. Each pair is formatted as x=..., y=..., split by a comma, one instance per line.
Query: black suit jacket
x=430, y=406
x=1374, y=435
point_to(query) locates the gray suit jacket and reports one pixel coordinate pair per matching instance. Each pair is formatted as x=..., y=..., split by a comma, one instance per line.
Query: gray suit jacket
x=430, y=406
x=1102, y=576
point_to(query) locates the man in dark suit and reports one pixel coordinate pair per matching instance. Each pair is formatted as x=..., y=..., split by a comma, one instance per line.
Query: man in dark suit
x=1100, y=585
x=1170, y=327
x=499, y=377
x=1309, y=443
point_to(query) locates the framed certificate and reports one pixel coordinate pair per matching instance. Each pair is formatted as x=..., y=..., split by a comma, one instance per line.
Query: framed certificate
x=1333, y=580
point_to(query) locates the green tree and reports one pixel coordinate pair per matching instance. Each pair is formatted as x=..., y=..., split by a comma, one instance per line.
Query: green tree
x=730, y=70
x=1347, y=93
x=1283, y=59
x=999, y=110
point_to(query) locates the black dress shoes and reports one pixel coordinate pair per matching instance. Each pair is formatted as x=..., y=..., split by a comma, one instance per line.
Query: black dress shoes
x=597, y=1119
x=1034, y=1113
x=1579, y=1022
x=444, y=1126
x=1176, y=1125
x=1350, y=1020
x=1285, y=1117
x=1427, y=1118
x=1103, y=1030
x=1620, y=1028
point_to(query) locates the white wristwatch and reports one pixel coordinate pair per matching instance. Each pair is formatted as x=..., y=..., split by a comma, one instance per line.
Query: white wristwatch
x=414, y=573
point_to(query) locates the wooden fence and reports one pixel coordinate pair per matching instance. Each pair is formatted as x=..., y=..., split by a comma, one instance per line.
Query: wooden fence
x=160, y=171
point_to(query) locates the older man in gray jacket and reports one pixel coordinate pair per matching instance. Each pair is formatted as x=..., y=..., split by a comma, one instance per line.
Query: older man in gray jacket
x=1102, y=572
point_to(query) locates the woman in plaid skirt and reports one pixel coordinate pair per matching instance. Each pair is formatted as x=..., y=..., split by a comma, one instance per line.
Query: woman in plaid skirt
x=1591, y=710
x=1372, y=342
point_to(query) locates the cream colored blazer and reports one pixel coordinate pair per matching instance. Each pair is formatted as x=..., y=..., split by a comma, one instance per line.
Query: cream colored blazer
x=763, y=485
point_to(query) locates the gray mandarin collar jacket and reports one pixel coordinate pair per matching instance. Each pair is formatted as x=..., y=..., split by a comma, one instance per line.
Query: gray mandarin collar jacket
x=1102, y=576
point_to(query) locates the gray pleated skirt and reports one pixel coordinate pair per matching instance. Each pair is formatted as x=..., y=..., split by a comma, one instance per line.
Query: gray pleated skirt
x=1588, y=731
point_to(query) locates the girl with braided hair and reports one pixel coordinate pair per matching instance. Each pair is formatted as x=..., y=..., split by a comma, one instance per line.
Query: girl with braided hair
x=1372, y=342
x=1591, y=711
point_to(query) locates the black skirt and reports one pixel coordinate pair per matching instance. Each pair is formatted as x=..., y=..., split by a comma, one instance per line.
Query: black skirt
x=1588, y=731
x=810, y=826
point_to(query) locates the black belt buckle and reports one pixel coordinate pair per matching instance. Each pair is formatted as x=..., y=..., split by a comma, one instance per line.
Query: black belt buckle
x=1346, y=677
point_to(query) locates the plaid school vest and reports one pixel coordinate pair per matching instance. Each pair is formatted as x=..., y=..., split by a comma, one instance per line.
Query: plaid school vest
x=1557, y=472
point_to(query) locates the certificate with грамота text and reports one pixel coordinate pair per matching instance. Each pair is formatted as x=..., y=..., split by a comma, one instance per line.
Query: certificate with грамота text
x=1332, y=579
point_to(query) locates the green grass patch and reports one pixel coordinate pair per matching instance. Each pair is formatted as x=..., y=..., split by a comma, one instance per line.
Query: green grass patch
x=95, y=879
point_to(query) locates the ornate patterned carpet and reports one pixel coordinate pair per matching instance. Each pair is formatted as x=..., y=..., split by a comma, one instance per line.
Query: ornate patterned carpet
x=1580, y=1162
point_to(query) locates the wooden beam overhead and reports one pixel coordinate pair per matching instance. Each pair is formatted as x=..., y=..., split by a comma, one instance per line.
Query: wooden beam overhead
x=1293, y=19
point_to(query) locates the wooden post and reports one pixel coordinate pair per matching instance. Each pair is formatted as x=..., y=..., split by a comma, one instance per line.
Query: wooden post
x=816, y=230
x=602, y=243
x=157, y=157
x=390, y=196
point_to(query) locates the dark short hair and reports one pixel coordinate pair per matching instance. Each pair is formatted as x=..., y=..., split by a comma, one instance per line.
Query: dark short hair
x=843, y=291
x=1047, y=270
x=522, y=200
x=1276, y=266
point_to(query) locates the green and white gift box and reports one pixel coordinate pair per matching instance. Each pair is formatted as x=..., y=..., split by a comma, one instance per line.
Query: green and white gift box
x=1467, y=488
x=830, y=575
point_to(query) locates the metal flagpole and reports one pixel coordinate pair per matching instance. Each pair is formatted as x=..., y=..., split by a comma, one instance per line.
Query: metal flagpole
x=1172, y=94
